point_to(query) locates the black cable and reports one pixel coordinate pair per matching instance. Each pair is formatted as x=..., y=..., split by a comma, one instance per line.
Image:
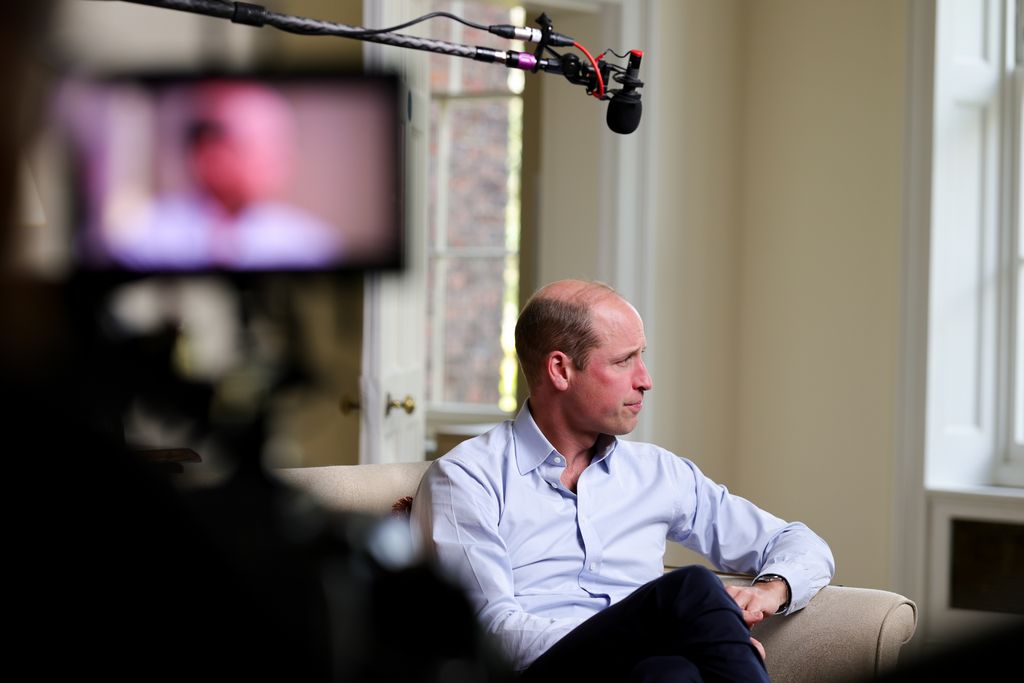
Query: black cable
x=316, y=27
x=622, y=56
x=431, y=15
x=258, y=15
x=306, y=26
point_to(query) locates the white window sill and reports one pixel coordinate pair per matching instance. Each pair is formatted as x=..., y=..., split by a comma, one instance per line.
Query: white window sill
x=977, y=493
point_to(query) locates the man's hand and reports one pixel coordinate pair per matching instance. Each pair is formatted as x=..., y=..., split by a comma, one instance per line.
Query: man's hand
x=758, y=646
x=760, y=600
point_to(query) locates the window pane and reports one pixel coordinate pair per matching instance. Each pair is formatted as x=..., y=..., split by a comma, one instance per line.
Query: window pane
x=473, y=179
x=477, y=173
x=472, y=330
x=473, y=195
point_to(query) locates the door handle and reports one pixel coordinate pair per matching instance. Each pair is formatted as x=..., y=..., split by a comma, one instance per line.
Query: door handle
x=408, y=404
x=347, y=406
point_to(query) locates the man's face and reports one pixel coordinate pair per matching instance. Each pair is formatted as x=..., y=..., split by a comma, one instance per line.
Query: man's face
x=608, y=395
x=249, y=160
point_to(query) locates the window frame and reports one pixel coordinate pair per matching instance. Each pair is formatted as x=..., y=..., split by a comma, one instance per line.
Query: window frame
x=1009, y=467
x=972, y=222
x=440, y=254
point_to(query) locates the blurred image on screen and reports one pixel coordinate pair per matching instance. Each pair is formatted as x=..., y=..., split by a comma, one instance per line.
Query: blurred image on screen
x=215, y=173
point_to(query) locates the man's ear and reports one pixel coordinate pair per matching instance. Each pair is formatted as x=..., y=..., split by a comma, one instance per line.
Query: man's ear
x=559, y=370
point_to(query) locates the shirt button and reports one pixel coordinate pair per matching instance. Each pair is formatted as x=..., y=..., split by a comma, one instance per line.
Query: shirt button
x=558, y=460
x=593, y=566
x=553, y=484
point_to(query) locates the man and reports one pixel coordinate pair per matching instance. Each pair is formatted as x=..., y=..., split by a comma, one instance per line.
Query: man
x=557, y=529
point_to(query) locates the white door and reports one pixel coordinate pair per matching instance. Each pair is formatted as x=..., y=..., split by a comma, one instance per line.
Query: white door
x=393, y=362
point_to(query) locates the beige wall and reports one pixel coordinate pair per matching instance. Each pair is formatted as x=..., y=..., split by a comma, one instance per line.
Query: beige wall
x=819, y=269
x=695, y=271
x=567, y=136
x=778, y=272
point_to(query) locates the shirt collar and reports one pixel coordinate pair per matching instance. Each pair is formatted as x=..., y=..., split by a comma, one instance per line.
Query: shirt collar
x=605, y=446
x=533, y=448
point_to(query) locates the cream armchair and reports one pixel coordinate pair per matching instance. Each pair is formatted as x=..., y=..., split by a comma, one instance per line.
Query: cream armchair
x=844, y=634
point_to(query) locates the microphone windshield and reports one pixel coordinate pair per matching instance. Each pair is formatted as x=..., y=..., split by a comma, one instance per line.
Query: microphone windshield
x=624, y=113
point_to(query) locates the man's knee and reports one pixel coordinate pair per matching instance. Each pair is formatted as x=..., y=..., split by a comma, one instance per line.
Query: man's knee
x=695, y=578
x=696, y=572
x=697, y=587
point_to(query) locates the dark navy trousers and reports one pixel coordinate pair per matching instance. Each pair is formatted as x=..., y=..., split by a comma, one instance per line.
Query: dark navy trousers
x=682, y=626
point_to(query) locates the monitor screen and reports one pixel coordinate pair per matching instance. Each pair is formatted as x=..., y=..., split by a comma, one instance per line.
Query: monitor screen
x=233, y=173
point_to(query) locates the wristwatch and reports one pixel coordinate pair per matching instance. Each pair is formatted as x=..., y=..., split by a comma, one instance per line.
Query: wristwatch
x=771, y=578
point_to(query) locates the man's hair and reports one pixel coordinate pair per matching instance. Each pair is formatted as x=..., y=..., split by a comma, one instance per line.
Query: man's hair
x=203, y=130
x=549, y=324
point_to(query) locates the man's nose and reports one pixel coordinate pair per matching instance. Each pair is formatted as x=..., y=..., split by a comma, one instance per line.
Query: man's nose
x=643, y=380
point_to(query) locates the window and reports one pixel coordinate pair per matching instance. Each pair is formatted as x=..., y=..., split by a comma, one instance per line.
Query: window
x=976, y=291
x=1012, y=471
x=473, y=234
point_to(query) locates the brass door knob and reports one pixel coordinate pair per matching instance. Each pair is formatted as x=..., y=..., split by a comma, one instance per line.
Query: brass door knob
x=408, y=404
x=346, y=405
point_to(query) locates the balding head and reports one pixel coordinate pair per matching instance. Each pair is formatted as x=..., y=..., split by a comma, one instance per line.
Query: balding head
x=558, y=317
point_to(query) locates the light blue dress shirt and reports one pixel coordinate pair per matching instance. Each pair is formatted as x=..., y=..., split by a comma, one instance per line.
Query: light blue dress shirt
x=190, y=232
x=537, y=559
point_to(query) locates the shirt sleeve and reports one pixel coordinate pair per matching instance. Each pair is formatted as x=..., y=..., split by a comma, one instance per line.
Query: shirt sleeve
x=737, y=536
x=455, y=514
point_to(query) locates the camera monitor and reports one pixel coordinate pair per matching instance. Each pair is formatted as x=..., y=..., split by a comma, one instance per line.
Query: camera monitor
x=190, y=174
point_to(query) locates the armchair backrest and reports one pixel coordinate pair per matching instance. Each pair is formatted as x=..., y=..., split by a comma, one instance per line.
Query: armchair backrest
x=370, y=489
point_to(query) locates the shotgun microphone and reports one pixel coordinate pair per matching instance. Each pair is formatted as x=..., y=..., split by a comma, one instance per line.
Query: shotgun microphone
x=625, y=107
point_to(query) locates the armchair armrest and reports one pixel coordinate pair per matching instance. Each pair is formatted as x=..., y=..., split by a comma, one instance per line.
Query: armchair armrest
x=844, y=633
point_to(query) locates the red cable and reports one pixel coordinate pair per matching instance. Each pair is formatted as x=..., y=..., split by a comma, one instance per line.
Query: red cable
x=600, y=81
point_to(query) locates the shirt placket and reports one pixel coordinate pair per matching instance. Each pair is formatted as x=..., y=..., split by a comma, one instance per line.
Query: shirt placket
x=593, y=548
